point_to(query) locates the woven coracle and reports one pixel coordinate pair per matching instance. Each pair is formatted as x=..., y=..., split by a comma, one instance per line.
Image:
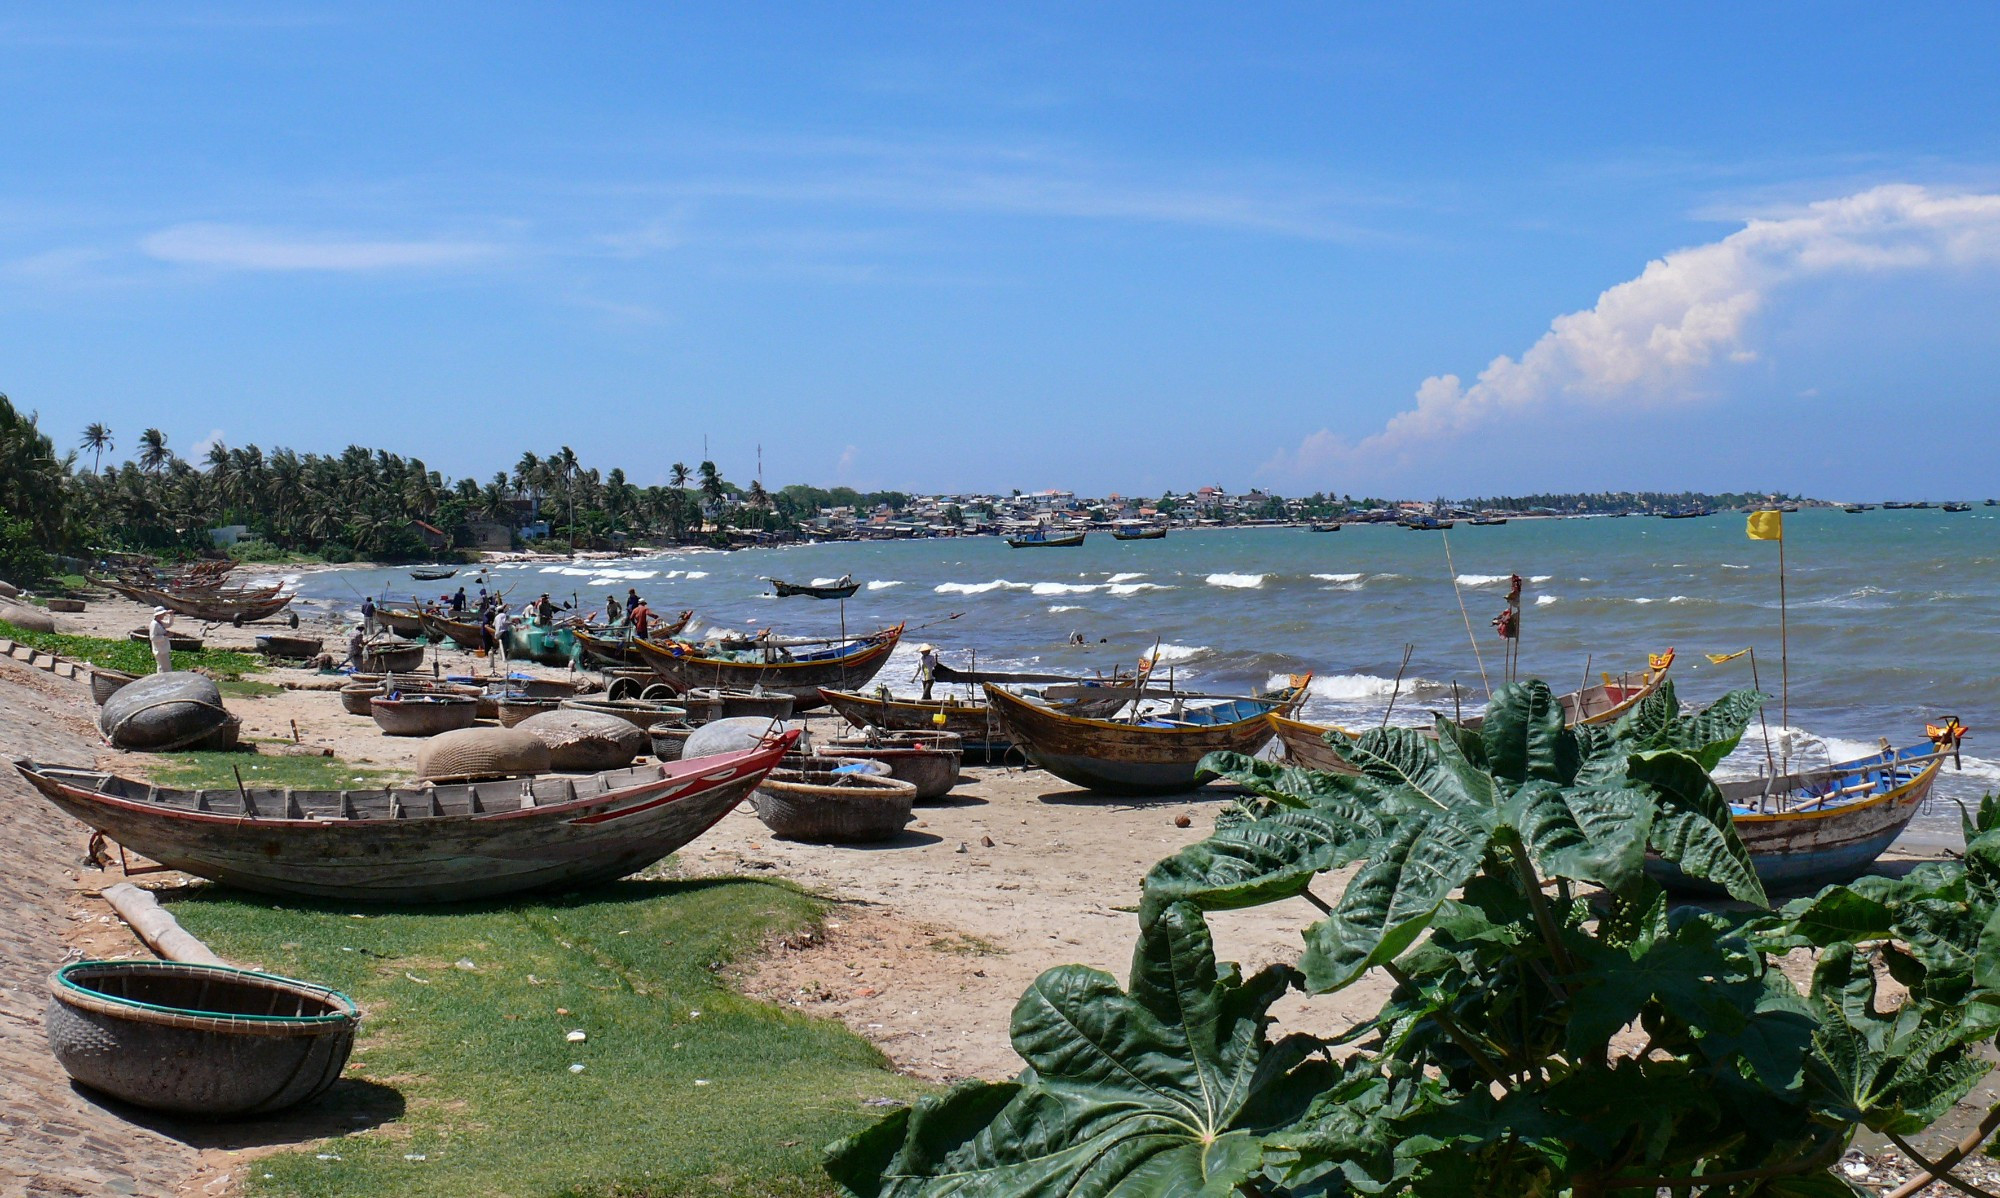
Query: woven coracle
x=821, y=805
x=164, y=712
x=470, y=754
x=421, y=714
x=586, y=741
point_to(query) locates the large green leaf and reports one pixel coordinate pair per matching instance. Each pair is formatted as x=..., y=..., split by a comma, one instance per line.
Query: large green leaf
x=1895, y=1070
x=1655, y=724
x=1262, y=861
x=1692, y=829
x=1165, y=1089
x=1525, y=737
x=1590, y=834
x=1389, y=902
x=1403, y=769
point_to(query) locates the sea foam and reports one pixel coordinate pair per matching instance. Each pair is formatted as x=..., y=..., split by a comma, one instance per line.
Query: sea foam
x=1239, y=581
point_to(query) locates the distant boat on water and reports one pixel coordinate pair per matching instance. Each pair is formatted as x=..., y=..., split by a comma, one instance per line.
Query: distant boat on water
x=1139, y=532
x=1328, y=526
x=1487, y=520
x=1957, y=507
x=1040, y=539
x=1426, y=523
x=1693, y=513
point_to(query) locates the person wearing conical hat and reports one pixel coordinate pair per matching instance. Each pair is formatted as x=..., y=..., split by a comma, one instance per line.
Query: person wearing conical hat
x=927, y=660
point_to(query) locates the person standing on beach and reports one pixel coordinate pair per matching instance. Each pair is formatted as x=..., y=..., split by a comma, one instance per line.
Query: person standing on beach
x=927, y=663
x=458, y=602
x=502, y=621
x=357, y=648
x=368, y=614
x=640, y=616
x=160, y=635
x=611, y=609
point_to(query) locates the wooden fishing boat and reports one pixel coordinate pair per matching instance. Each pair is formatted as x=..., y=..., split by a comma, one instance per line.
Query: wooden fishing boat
x=1600, y=703
x=420, y=845
x=386, y=655
x=1812, y=829
x=1956, y=507
x=220, y=607
x=1139, y=532
x=1425, y=523
x=1487, y=521
x=433, y=575
x=403, y=621
x=788, y=590
x=612, y=645
x=980, y=732
x=801, y=674
x=1328, y=526
x=461, y=632
x=1693, y=513
x=1150, y=754
x=1042, y=540
x=291, y=648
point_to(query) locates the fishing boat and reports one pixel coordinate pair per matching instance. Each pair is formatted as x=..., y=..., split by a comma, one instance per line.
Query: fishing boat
x=214, y=607
x=403, y=621
x=1600, y=703
x=1854, y=509
x=1425, y=523
x=1152, y=752
x=1956, y=507
x=1327, y=526
x=979, y=731
x=1693, y=513
x=1487, y=521
x=1139, y=532
x=434, y=573
x=430, y=844
x=1040, y=539
x=612, y=644
x=462, y=632
x=837, y=590
x=798, y=667
x=1897, y=505
x=1811, y=829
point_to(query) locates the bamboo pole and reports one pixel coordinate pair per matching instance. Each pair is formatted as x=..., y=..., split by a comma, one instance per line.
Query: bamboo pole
x=158, y=930
x=1455, y=590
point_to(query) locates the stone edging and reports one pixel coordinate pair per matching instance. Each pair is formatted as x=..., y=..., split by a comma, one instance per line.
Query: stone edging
x=42, y=659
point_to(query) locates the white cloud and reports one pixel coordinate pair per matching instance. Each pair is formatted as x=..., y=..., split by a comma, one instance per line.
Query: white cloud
x=235, y=247
x=1658, y=340
x=201, y=447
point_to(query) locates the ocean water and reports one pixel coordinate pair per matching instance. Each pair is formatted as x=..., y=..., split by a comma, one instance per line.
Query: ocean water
x=1894, y=616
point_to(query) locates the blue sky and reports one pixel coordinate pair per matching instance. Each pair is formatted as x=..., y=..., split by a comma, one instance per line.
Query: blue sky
x=1111, y=247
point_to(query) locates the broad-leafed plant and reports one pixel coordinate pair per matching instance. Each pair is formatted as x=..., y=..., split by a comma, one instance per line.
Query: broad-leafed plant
x=1553, y=1027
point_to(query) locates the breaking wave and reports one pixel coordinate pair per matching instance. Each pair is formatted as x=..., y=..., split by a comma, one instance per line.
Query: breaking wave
x=1239, y=581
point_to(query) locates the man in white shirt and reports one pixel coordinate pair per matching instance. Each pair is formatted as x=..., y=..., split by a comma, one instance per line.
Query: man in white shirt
x=159, y=634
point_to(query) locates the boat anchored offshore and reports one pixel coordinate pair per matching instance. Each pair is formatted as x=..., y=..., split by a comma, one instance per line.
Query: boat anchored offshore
x=1040, y=539
x=841, y=588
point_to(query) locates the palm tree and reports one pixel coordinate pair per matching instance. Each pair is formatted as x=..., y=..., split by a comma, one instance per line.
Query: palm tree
x=153, y=452
x=97, y=439
x=711, y=484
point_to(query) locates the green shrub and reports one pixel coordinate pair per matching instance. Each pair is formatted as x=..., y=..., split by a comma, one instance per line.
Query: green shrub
x=22, y=561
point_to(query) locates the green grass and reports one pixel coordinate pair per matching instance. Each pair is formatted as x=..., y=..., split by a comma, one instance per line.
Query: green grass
x=481, y=1064
x=248, y=688
x=215, y=769
x=131, y=656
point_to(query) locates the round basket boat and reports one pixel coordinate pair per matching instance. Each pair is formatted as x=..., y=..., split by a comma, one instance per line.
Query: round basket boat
x=175, y=641
x=775, y=705
x=291, y=648
x=198, y=1039
x=105, y=683
x=68, y=605
x=392, y=658
x=668, y=740
x=636, y=712
x=820, y=804
x=928, y=761
x=512, y=709
x=423, y=715
x=355, y=696
x=701, y=708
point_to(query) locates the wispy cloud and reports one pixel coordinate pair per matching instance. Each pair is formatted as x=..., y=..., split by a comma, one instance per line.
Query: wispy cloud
x=1659, y=339
x=235, y=247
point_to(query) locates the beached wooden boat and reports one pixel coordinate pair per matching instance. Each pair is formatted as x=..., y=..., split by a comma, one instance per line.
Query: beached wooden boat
x=612, y=645
x=386, y=655
x=980, y=732
x=176, y=641
x=291, y=648
x=1151, y=754
x=356, y=697
x=1600, y=703
x=106, y=682
x=214, y=606
x=403, y=621
x=801, y=674
x=459, y=631
x=419, y=845
x=788, y=590
x=434, y=574
x=1816, y=828
x=1042, y=540
x=1139, y=532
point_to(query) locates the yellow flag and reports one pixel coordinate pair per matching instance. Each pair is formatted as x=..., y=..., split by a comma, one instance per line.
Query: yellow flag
x=1767, y=526
x=1718, y=658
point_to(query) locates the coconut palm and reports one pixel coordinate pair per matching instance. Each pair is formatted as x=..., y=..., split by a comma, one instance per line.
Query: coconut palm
x=97, y=439
x=153, y=452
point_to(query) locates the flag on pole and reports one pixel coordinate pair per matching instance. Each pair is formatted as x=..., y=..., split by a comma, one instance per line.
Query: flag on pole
x=1716, y=659
x=1767, y=526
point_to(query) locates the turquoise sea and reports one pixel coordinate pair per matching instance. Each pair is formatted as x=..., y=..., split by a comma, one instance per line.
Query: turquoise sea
x=1894, y=615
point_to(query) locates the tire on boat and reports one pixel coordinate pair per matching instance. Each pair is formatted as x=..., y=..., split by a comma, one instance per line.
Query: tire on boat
x=198, y=1039
x=473, y=754
x=819, y=804
x=585, y=741
x=164, y=712
x=731, y=736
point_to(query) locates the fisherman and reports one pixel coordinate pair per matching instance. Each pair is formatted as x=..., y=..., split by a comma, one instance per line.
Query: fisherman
x=631, y=598
x=487, y=640
x=357, y=647
x=458, y=602
x=159, y=634
x=502, y=621
x=545, y=611
x=927, y=663
x=638, y=614
x=611, y=609
x=368, y=613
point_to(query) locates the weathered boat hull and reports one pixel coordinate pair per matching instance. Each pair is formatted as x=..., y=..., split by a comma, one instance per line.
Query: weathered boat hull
x=685, y=669
x=490, y=838
x=981, y=735
x=1150, y=534
x=790, y=590
x=401, y=622
x=1806, y=848
x=463, y=633
x=1046, y=542
x=1127, y=759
